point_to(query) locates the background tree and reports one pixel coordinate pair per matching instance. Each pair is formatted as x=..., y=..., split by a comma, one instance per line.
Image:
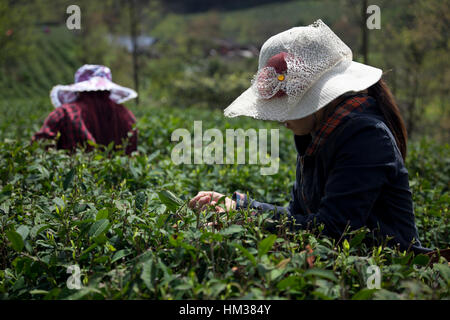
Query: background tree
x=17, y=24
x=413, y=44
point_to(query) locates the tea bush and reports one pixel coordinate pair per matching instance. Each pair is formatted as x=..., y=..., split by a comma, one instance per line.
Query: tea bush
x=124, y=222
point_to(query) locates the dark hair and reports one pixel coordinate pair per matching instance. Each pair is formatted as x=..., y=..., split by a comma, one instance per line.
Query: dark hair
x=391, y=113
x=100, y=94
x=388, y=108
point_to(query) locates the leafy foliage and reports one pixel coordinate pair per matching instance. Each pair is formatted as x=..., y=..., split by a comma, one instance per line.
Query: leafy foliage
x=125, y=222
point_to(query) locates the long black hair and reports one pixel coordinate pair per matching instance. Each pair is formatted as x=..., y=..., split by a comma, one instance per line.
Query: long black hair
x=391, y=112
x=388, y=107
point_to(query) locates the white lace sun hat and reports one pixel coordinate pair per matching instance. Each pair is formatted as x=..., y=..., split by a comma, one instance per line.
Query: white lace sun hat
x=300, y=71
x=91, y=77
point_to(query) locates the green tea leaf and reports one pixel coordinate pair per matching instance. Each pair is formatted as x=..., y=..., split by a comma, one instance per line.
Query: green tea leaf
x=357, y=239
x=102, y=214
x=184, y=286
x=85, y=252
x=364, y=294
x=6, y=192
x=98, y=227
x=346, y=245
x=43, y=292
x=444, y=270
x=120, y=254
x=266, y=244
x=24, y=231
x=170, y=200
x=59, y=202
x=69, y=178
x=232, y=230
x=37, y=229
x=292, y=282
x=326, y=274
x=421, y=260
x=140, y=200
x=146, y=274
x=246, y=253
x=15, y=239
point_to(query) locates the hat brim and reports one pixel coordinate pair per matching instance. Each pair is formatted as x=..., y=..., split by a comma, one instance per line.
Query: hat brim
x=62, y=94
x=341, y=79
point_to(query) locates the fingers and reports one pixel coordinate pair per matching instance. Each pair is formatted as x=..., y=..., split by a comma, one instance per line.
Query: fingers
x=193, y=201
x=218, y=209
x=198, y=200
x=202, y=202
x=230, y=204
x=212, y=224
x=202, y=194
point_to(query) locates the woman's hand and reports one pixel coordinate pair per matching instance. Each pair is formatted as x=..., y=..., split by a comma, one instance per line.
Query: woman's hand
x=205, y=198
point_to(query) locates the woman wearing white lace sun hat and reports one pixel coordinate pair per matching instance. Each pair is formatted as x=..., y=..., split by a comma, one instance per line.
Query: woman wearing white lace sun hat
x=348, y=132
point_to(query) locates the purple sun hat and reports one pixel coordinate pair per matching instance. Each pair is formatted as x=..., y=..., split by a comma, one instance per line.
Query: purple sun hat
x=91, y=77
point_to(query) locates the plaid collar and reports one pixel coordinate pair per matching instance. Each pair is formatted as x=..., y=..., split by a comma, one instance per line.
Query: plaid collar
x=355, y=103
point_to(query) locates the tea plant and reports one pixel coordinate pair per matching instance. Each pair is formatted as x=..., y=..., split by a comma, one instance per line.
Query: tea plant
x=124, y=221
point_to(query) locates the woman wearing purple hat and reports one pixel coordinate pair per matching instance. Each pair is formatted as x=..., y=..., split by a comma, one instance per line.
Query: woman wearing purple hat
x=90, y=110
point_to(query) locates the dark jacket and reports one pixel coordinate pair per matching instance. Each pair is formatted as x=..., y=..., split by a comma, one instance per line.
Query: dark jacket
x=357, y=177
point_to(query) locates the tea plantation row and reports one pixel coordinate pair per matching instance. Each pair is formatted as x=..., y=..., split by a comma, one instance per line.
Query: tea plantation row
x=125, y=223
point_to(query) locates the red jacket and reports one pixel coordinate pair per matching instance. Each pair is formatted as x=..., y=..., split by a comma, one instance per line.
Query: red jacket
x=92, y=117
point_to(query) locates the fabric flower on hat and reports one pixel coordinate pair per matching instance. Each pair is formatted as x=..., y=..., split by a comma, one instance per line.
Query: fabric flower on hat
x=281, y=76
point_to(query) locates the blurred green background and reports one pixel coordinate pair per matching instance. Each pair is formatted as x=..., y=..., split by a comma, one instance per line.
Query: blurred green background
x=203, y=54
